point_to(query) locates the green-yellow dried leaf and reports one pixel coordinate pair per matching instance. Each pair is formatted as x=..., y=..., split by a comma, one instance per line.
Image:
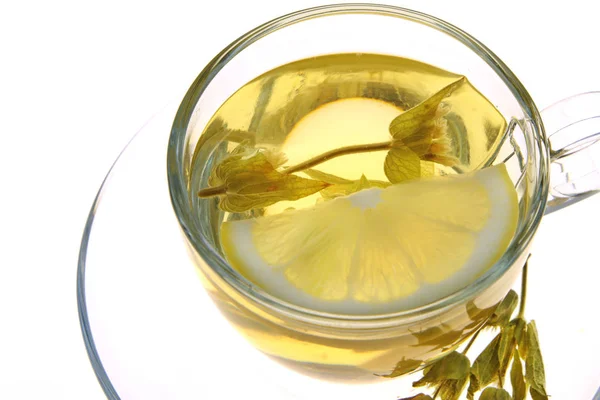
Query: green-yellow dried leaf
x=485, y=367
x=327, y=178
x=517, y=380
x=420, y=396
x=520, y=328
x=535, y=395
x=437, y=336
x=402, y=164
x=534, y=364
x=454, y=366
x=412, y=122
x=275, y=157
x=473, y=387
x=403, y=366
x=505, y=350
x=451, y=389
x=248, y=180
x=478, y=315
x=505, y=309
x=493, y=393
x=424, y=130
x=522, y=338
x=345, y=189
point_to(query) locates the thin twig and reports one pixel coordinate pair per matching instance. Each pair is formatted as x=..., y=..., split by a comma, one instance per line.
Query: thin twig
x=342, y=151
x=438, y=391
x=464, y=352
x=523, y=289
x=212, y=191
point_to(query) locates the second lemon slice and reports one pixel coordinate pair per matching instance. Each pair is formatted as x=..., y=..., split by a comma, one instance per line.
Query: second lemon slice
x=380, y=250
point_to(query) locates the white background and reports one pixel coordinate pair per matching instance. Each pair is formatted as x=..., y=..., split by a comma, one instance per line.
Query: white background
x=78, y=79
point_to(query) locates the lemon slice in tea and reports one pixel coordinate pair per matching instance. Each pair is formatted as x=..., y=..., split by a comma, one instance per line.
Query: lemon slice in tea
x=380, y=250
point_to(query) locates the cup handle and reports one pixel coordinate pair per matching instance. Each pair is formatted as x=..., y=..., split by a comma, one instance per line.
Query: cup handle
x=573, y=127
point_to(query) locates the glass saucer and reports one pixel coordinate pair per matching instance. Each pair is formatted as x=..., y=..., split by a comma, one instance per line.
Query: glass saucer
x=152, y=332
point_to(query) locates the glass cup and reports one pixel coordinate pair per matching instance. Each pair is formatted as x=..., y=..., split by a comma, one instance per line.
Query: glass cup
x=548, y=173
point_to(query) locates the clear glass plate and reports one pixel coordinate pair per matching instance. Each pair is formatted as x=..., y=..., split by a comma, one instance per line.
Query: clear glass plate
x=152, y=332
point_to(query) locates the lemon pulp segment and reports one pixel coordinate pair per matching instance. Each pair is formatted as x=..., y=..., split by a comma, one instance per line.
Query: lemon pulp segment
x=380, y=250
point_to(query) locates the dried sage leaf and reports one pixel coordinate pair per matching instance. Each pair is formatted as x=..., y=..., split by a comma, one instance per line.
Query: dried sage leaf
x=493, y=393
x=505, y=350
x=522, y=340
x=402, y=164
x=424, y=115
x=535, y=374
x=423, y=129
x=451, y=389
x=420, y=396
x=501, y=315
x=517, y=380
x=485, y=367
x=327, y=178
x=454, y=366
x=520, y=328
x=478, y=315
x=403, y=366
x=337, y=190
x=248, y=179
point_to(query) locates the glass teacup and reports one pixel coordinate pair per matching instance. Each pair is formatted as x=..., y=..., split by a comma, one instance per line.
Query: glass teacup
x=548, y=173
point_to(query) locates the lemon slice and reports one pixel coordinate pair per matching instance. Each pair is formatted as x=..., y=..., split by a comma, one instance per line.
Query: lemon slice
x=380, y=250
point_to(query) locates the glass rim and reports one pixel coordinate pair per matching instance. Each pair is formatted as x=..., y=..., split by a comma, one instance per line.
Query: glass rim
x=178, y=187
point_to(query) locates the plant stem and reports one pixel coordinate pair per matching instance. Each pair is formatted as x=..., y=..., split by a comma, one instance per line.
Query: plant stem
x=342, y=151
x=523, y=289
x=212, y=191
x=438, y=391
x=464, y=352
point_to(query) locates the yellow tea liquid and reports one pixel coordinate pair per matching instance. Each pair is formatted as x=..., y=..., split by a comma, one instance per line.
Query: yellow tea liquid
x=311, y=107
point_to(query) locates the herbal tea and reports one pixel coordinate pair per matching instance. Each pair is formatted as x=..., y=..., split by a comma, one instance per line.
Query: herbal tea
x=355, y=184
